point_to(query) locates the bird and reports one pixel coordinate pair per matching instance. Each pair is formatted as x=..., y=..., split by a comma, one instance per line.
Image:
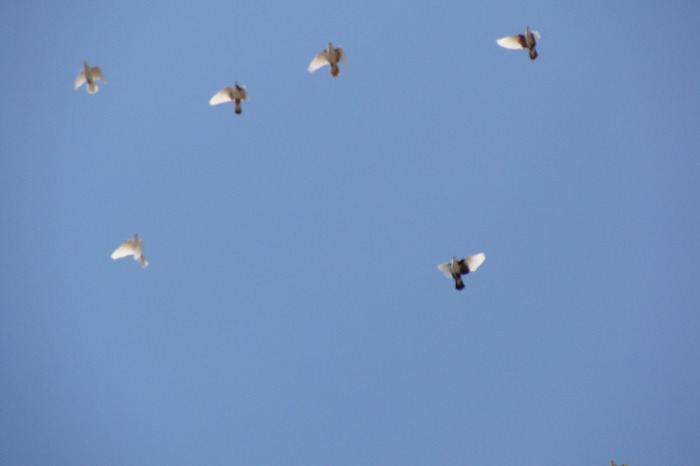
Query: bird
x=331, y=56
x=231, y=94
x=521, y=41
x=456, y=269
x=90, y=75
x=132, y=247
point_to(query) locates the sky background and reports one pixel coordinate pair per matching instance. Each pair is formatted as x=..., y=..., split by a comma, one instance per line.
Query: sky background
x=292, y=311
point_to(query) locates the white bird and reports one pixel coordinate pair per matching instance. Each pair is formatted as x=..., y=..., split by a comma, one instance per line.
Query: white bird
x=90, y=75
x=231, y=94
x=331, y=57
x=522, y=41
x=133, y=247
x=456, y=269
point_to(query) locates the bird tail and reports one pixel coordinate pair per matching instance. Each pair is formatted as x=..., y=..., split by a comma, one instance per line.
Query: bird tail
x=459, y=284
x=144, y=262
x=239, y=110
x=335, y=70
x=92, y=87
x=533, y=54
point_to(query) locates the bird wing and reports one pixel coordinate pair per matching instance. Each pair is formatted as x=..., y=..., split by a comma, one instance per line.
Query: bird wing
x=341, y=55
x=97, y=74
x=446, y=269
x=80, y=80
x=243, y=93
x=126, y=249
x=513, y=42
x=320, y=60
x=224, y=95
x=471, y=263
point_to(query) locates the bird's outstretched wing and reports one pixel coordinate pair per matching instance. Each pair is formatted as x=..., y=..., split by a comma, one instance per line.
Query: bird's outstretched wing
x=320, y=60
x=341, y=56
x=80, y=80
x=224, y=95
x=516, y=42
x=446, y=269
x=97, y=74
x=126, y=249
x=471, y=263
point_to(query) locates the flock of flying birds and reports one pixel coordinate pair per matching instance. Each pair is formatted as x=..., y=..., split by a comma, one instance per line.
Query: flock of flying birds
x=331, y=56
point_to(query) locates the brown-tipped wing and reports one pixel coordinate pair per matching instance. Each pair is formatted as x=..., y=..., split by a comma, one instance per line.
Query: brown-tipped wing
x=516, y=42
x=224, y=95
x=341, y=55
x=319, y=60
x=126, y=249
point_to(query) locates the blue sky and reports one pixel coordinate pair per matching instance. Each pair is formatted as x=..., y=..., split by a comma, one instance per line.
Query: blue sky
x=292, y=311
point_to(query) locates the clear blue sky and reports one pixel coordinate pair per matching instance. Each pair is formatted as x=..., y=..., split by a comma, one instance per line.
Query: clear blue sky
x=292, y=311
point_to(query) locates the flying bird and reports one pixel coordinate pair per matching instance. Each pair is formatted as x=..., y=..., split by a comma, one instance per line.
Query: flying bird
x=456, y=269
x=331, y=57
x=522, y=41
x=132, y=247
x=89, y=75
x=231, y=94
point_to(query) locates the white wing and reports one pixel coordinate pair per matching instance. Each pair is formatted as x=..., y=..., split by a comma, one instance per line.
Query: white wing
x=80, y=80
x=537, y=36
x=510, y=42
x=341, y=56
x=475, y=261
x=97, y=74
x=320, y=60
x=224, y=95
x=446, y=268
x=126, y=249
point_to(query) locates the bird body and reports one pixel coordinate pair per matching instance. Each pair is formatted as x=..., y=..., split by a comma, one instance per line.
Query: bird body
x=455, y=269
x=331, y=57
x=90, y=75
x=132, y=247
x=231, y=94
x=522, y=41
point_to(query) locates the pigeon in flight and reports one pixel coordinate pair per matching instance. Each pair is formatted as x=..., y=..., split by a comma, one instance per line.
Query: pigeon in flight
x=231, y=94
x=522, y=41
x=329, y=57
x=133, y=247
x=89, y=75
x=456, y=269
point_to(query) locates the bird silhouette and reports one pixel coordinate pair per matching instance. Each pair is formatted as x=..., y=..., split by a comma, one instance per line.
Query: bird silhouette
x=132, y=247
x=455, y=269
x=89, y=75
x=521, y=41
x=331, y=56
x=231, y=94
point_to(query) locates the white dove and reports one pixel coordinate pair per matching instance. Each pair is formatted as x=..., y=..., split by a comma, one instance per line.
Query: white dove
x=329, y=57
x=231, y=94
x=456, y=269
x=133, y=247
x=522, y=41
x=90, y=75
